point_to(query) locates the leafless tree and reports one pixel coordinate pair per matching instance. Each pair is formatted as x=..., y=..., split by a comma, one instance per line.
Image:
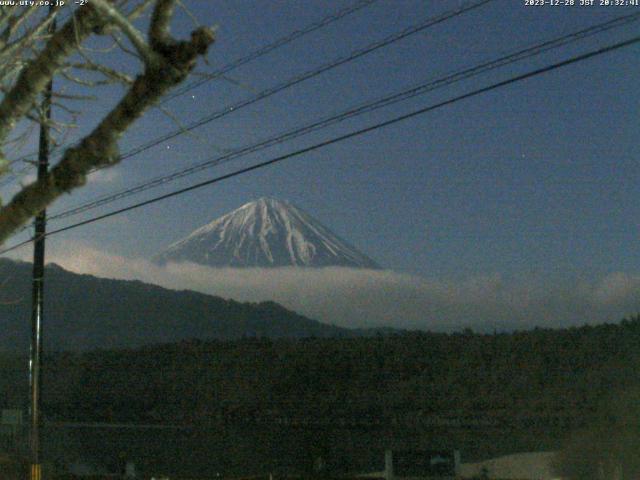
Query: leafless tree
x=30, y=57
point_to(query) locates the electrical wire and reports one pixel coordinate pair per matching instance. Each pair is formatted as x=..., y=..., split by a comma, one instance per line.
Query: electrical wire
x=353, y=112
x=420, y=27
x=280, y=42
x=411, y=30
x=356, y=133
x=270, y=47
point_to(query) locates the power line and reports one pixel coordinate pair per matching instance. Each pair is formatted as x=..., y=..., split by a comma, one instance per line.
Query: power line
x=430, y=22
x=411, y=30
x=353, y=112
x=280, y=42
x=270, y=47
x=356, y=133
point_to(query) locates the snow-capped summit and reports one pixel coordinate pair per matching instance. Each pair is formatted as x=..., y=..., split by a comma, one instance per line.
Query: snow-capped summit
x=265, y=233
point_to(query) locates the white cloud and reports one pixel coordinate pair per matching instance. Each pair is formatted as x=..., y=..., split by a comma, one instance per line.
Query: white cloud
x=104, y=176
x=616, y=288
x=361, y=298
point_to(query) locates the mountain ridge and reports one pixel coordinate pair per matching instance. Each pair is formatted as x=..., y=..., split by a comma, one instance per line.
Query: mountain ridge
x=85, y=312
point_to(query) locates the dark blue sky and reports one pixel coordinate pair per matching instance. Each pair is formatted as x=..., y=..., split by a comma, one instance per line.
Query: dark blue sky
x=537, y=178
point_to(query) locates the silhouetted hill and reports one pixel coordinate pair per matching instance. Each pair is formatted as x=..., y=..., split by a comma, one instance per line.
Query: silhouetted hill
x=86, y=312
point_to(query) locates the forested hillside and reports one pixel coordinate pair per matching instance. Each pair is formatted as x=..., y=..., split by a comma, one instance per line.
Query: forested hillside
x=484, y=394
x=539, y=377
x=86, y=312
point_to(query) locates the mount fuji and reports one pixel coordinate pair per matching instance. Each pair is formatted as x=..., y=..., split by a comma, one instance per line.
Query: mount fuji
x=265, y=233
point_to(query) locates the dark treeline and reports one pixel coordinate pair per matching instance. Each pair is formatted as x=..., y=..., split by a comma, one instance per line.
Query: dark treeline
x=488, y=394
x=555, y=378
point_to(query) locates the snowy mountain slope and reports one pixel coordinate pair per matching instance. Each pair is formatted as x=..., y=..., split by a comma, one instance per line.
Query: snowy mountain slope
x=265, y=233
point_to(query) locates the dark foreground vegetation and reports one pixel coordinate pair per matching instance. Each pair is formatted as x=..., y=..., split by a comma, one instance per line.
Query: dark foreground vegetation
x=539, y=378
x=486, y=394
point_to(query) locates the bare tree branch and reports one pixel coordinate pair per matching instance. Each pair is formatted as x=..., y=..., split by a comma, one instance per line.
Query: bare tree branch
x=171, y=62
x=133, y=34
x=159, y=32
x=35, y=76
x=139, y=9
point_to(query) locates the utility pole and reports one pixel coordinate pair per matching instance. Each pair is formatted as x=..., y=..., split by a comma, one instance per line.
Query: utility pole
x=37, y=300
